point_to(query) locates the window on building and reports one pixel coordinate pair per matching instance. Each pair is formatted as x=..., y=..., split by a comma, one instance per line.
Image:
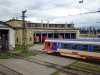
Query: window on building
x=55, y=25
x=68, y=25
x=96, y=48
x=65, y=45
x=85, y=47
x=17, y=39
x=30, y=39
x=74, y=46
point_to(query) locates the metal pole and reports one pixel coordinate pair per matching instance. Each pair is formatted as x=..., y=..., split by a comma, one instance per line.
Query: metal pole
x=24, y=38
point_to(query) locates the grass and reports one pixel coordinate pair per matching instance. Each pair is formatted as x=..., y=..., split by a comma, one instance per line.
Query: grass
x=86, y=66
x=18, y=50
x=55, y=73
x=26, y=54
x=3, y=56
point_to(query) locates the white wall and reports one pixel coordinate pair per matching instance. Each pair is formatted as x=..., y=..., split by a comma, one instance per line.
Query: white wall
x=11, y=39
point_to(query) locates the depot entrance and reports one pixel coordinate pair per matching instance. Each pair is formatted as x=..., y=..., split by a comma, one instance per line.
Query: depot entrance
x=4, y=41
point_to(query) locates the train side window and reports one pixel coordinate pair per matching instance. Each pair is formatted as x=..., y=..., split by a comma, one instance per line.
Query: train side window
x=59, y=45
x=96, y=48
x=54, y=44
x=85, y=47
x=65, y=45
x=74, y=46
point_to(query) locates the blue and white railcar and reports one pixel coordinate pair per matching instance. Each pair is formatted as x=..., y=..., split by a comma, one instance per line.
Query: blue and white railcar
x=79, y=48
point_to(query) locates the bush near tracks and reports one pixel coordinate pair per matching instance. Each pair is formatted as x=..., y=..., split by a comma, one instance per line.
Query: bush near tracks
x=3, y=56
x=86, y=66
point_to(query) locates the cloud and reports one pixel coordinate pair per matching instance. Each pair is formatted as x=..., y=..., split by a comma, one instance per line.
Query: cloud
x=38, y=10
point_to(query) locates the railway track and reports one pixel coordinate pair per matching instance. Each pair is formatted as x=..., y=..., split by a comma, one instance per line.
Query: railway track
x=91, y=61
x=4, y=70
x=66, y=69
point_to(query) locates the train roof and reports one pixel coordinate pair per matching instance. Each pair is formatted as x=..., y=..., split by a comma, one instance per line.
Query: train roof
x=85, y=40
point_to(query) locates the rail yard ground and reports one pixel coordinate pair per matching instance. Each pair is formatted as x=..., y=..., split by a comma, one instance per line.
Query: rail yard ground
x=29, y=68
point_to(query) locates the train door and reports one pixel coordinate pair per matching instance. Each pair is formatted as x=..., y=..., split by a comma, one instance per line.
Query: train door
x=54, y=46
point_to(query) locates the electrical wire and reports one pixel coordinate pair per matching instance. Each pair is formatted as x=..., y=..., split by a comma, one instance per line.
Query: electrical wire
x=75, y=14
x=58, y=6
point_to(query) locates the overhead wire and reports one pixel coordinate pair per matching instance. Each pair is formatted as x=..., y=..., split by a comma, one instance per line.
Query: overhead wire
x=58, y=6
x=46, y=3
x=74, y=14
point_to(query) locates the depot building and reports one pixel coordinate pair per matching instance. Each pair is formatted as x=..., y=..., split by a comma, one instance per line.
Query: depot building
x=50, y=30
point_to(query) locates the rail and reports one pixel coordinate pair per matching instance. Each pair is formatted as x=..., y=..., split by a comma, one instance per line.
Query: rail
x=65, y=69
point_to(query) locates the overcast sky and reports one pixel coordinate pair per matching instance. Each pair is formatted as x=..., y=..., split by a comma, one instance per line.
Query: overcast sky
x=54, y=11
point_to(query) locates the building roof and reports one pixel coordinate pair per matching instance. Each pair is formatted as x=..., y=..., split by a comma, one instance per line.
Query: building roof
x=3, y=23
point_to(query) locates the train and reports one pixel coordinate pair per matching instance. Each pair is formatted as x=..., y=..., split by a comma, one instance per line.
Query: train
x=78, y=48
x=37, y=39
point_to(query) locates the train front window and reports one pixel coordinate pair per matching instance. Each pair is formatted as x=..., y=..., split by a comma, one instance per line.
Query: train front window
x=65, y=45
x=47, y=43
x=74, y=46
x=85, y=47
x=96, y=48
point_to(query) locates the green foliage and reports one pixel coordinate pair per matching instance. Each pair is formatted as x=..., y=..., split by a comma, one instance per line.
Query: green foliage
x=4, y=56
x=26, y=54
x=86, y=66
x=19, y=48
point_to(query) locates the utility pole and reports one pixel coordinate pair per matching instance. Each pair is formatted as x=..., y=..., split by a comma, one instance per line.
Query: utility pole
x=24, y=33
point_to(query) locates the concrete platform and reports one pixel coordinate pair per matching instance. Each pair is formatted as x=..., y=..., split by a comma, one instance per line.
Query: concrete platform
x=27, y=68
x=50, y=58
x=54, y=59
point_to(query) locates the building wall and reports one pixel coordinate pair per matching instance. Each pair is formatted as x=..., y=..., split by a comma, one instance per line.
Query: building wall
x=77, y=34
x=11, y=39
x=15, y=23
x=18, y=37
x=18, y=32
x=30, y=36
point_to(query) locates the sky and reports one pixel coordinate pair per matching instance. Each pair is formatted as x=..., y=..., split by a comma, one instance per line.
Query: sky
x=54, y=11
